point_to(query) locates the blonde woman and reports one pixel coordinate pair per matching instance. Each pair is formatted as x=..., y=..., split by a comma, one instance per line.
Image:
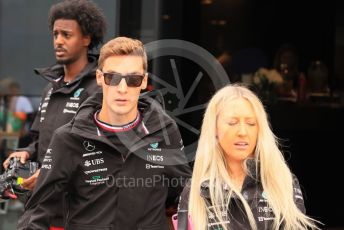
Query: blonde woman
x=240, y=178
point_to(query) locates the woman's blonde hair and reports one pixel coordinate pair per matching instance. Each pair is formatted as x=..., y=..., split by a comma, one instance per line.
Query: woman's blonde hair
x=210, y=165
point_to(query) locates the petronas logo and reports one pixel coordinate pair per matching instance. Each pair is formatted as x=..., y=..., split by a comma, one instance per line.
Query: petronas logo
x=154, y=145
x=78, y=92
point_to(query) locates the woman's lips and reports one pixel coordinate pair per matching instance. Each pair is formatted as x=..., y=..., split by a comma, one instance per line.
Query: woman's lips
x=241, y=145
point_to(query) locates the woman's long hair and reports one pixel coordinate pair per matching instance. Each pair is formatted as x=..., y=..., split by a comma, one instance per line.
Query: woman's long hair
x=210, y=165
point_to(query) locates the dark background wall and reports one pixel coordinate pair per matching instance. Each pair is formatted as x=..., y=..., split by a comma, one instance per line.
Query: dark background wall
x=307, y=131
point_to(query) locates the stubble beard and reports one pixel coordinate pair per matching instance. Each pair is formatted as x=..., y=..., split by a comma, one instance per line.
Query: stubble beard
x=65, y=61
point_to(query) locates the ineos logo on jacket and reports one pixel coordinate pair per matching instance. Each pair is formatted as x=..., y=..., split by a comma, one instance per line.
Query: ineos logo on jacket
x=154, y=158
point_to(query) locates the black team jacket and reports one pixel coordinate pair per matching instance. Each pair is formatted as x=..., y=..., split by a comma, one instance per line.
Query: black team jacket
x=109, y=188
x=59, y=104
x=235, y=216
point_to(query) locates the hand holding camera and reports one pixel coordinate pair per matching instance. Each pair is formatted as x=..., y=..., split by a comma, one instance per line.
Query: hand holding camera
x=12, y=179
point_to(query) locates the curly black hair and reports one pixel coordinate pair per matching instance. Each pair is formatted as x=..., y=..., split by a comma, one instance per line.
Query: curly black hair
x=88, y=15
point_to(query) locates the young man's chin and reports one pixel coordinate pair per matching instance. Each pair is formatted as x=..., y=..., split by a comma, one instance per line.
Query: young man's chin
x=63, y=61
x=120, y=112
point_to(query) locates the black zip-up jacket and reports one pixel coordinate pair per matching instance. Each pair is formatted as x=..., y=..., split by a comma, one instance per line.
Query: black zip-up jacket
x=235, y=217
x=108, y=189
x=59, y=104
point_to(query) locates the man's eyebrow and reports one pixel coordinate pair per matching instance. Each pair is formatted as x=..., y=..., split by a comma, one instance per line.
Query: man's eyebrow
x=63, y=30
x=134, y=72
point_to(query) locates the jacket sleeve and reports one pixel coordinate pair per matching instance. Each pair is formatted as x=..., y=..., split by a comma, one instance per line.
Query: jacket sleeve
x=32, y=148
x=177, y=166
x=298, y=197
x=177, y=161
x=55, y=175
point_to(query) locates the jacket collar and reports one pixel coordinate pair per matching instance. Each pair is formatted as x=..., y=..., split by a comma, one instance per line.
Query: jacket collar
x=250, y=180
x=53, y=73
x=153, y=117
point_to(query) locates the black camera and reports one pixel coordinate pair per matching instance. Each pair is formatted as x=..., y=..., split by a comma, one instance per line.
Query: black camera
x=12, y=178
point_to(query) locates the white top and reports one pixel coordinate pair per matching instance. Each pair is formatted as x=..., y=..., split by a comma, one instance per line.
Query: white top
x=23, y=104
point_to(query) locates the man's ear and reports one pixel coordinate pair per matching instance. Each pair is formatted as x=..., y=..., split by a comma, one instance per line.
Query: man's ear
x=144, y=82
x=99, y=77
x=86, y=40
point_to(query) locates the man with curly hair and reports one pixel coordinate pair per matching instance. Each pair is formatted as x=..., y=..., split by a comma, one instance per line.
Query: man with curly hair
x=77, y=27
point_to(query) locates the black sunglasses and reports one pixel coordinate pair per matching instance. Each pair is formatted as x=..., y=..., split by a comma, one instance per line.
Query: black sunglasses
x=132, y=80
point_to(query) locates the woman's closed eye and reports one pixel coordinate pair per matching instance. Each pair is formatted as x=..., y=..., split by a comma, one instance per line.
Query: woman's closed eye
x=232, y=122
x=251, y=123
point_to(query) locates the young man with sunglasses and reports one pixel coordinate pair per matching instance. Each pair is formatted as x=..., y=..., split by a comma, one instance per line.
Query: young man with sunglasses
x=119, y=155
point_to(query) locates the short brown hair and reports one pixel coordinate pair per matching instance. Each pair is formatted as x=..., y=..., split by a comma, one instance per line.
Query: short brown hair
x=122, y=46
